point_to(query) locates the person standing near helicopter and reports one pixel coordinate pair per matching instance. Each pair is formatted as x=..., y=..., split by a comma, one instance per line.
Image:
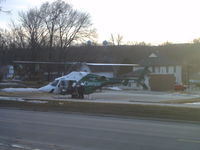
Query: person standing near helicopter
x=80, y=89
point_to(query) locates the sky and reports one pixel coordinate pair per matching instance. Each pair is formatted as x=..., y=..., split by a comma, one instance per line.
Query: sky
x=151, y=21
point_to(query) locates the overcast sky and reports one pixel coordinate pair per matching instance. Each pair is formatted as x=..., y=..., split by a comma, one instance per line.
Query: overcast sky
x=152, y=21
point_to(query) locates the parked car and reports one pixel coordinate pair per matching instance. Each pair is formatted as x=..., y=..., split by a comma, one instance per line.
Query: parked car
x=180, y=87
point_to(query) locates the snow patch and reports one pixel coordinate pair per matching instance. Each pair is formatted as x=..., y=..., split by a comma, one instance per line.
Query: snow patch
x=18, y=146
x=195, y=103
x=9, y=83
x=22, y=100
x=38, y=102
x=181, y=96
x=167, y=96
x=12, y=99
x=114, y=88
x=20, y=90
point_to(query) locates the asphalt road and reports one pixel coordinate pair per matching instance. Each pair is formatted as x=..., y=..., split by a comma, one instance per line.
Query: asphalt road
x=29, y=130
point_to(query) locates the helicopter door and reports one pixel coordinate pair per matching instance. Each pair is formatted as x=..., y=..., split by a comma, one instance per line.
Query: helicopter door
x=63, y=85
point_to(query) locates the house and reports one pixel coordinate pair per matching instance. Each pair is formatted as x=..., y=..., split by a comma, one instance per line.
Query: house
x=160, y=64
x=164, y=74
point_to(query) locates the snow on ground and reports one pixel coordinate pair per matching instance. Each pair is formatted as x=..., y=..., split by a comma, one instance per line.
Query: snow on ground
x=12, y=99
x=20, y=90
x=115, y=95
x=167, y=96
x=140, y=96
x=37, y=101
x=9, y=83
x=195, y=103
x=114, y=88
x=22, y=100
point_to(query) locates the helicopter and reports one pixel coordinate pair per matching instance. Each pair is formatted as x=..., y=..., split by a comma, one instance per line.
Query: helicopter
x=71, y=83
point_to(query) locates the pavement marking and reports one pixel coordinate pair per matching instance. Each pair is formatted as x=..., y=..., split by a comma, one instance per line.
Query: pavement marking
x=18, y=146
x=188, y=140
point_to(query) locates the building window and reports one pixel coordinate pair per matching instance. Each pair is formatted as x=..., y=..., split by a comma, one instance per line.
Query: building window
x=159, y=69
x=167, y=69
x=174, y=69
x=153, y=69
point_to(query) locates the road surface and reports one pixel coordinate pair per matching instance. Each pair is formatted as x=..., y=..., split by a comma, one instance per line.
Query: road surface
x=30, y=130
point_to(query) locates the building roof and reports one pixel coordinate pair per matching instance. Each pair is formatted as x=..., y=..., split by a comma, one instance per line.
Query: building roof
x=157, y=59
x=137, y=73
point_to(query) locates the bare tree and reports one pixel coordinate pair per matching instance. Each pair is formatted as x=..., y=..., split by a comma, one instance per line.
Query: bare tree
x=54, y=24
x=116, y=40
x=119, y=39
x=17, y=36
x=32, y=25
x=79, y=29
x=50, y=14
x=3, y=44
x=112, y=39
x=6, y=40
x=65, y=25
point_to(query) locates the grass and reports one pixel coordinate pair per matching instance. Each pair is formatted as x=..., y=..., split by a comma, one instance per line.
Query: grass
x=153, y=111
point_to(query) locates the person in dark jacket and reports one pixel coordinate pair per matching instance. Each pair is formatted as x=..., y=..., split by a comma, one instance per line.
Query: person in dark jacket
x=74, y=90
x=80, y=89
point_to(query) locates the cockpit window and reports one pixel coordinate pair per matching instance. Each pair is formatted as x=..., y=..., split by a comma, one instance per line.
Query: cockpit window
x=54, y=83
x=63, y=83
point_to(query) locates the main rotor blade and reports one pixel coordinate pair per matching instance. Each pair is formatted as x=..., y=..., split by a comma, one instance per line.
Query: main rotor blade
x=44, y=62
x=107, y=64
x=73, y=63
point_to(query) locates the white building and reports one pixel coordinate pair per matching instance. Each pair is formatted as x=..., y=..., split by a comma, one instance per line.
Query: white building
x=158, y=64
